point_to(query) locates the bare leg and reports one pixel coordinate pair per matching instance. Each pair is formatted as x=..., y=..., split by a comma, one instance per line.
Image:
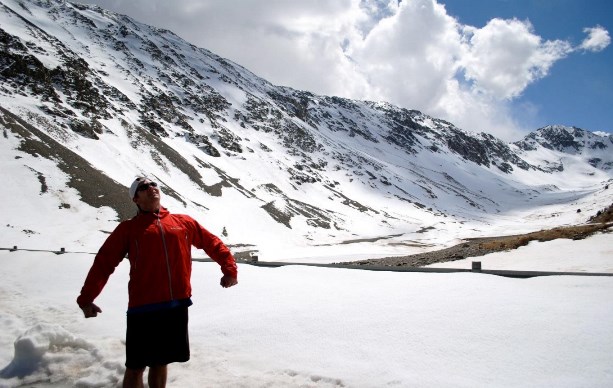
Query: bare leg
x=133, y=378
x=157, y=376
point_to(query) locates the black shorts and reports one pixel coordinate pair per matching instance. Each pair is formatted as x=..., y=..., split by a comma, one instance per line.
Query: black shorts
x=157, y=338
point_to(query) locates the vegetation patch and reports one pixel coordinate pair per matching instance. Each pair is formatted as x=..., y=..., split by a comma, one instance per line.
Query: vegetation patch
x=577, y=232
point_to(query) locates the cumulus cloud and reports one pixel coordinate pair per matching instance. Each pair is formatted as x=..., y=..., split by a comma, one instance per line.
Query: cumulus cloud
x=598, y=39
x=408, y=58
x=410, y=53
x=506, y=56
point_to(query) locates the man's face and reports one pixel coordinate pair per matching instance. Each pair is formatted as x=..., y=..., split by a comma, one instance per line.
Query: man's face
x=147, y=196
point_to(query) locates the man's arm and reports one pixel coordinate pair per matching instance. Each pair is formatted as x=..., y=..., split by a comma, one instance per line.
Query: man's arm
x=108, y=258
x=218, y=251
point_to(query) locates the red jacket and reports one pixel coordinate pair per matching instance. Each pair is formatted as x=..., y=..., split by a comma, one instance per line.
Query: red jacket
x=159, y=249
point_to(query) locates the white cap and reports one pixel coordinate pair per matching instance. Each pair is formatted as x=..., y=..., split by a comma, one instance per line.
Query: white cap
x=134, y=186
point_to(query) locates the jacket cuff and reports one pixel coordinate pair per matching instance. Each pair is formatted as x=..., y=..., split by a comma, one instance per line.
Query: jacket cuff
x=82, y=302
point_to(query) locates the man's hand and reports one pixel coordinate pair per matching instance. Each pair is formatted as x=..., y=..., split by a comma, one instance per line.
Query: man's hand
x=91, y=310
x=228, y=281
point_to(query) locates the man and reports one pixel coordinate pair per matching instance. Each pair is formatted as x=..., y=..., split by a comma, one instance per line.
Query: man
x=158, y=245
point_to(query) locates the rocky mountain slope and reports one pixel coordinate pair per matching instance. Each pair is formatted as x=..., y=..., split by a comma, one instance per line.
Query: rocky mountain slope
x=89, y=99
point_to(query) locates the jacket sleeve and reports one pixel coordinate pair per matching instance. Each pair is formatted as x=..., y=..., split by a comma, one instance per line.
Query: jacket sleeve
x=214, y=248
x=108, y=258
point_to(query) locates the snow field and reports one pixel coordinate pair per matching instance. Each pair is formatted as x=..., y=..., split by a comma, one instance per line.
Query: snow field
x=317, y=327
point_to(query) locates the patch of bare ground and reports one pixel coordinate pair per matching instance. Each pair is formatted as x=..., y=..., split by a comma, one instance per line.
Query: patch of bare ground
x=475, y=247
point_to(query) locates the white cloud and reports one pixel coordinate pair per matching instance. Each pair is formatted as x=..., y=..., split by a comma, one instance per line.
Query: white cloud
x=598, y=39
x=409, y=58
x=505, y=56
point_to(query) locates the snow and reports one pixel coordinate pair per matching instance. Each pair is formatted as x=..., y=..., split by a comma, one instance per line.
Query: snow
x=326, y=327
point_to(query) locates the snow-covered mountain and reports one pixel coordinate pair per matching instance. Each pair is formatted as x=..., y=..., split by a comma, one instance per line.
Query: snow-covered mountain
x=89, y=99
x=565, y=142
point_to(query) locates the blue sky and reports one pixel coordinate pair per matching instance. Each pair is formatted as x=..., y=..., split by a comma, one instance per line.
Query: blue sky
x=579, y=89
x=505, y=67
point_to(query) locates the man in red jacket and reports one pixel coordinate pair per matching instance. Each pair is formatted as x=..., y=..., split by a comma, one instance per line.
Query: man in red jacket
x=158, y=245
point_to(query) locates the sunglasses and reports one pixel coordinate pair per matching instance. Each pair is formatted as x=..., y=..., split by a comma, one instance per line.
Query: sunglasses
x=145, y=186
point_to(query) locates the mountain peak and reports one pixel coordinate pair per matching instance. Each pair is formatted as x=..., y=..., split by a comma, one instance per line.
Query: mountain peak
x=570, y=140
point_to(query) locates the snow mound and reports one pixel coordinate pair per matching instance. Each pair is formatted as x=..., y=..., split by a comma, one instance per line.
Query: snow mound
x=50, y=354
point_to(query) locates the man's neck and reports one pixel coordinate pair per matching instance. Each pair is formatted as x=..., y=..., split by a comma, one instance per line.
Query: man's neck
x=149, y=210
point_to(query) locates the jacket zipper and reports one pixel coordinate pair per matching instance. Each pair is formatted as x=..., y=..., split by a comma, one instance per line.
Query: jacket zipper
x=167, y=260
x=137, y=254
